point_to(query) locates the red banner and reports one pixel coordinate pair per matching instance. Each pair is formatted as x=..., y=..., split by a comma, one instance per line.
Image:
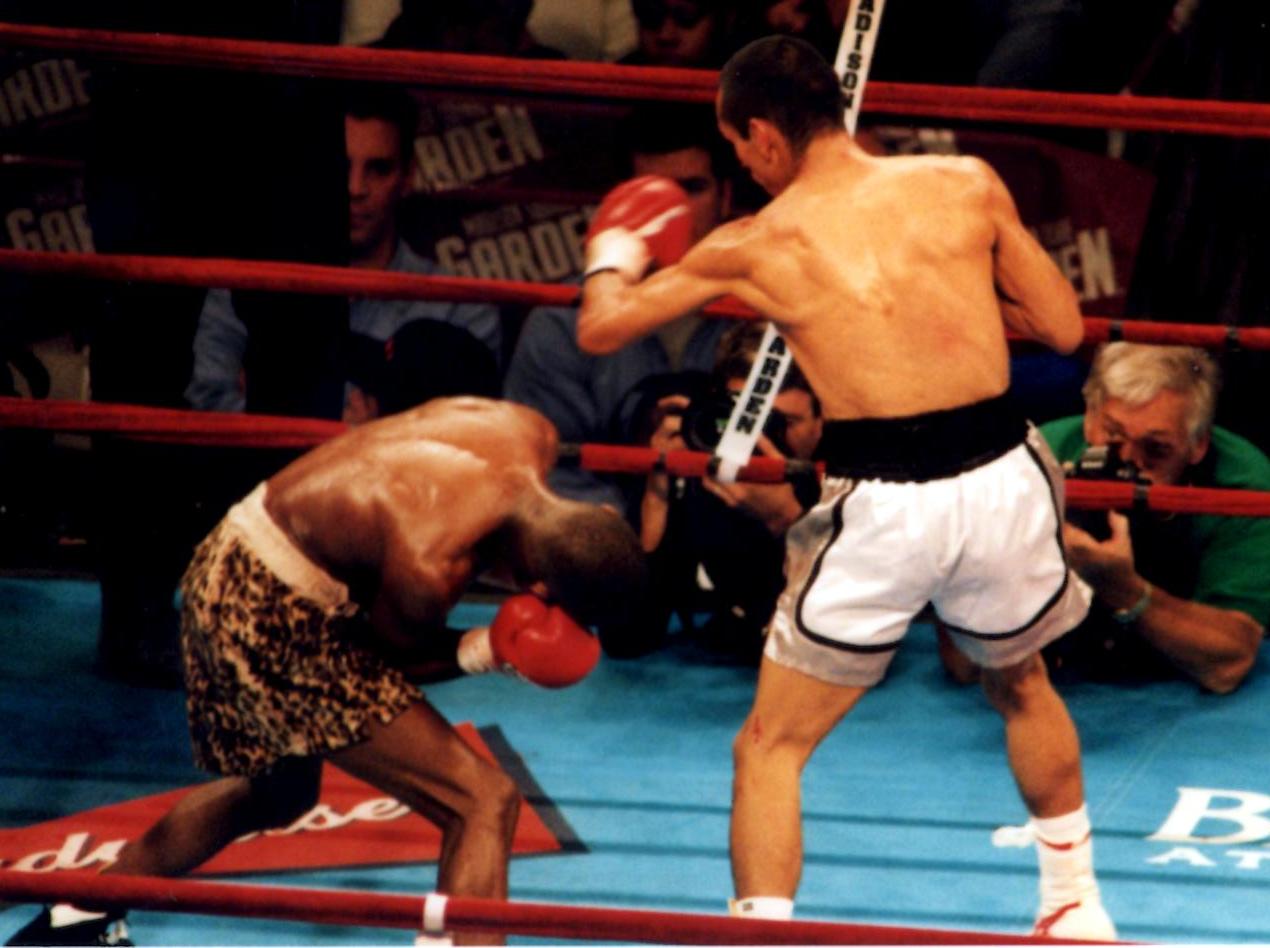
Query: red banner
x=353, y=824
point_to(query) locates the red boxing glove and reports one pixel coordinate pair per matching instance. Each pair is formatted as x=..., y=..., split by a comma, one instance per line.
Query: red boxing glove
x=640, y=221
x=538, y=642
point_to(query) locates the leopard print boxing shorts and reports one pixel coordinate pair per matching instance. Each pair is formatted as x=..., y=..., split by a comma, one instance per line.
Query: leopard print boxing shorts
x=270, y=648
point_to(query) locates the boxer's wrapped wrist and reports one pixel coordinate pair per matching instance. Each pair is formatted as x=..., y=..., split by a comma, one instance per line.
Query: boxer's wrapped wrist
x=475, y=652
x=617, y=250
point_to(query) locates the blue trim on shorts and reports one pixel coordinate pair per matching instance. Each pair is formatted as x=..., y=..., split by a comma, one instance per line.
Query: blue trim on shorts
x=1062, y=552
x=811, y=581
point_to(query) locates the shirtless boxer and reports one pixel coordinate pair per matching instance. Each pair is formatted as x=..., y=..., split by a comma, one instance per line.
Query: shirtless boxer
x=310, y=610
x=892, y=280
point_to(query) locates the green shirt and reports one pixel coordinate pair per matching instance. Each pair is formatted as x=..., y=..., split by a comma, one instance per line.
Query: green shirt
x=1232, y=554
x=1220, y=561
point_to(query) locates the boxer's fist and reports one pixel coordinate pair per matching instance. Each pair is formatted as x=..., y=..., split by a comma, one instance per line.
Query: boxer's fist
x=640, y=221
x=538, y=642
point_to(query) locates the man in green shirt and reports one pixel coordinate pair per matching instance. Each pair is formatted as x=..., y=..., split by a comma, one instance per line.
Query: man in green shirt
x=1173, y=592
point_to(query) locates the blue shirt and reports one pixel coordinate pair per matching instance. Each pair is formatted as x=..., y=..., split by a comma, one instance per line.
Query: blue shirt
x=221, y=339
x=581, y=393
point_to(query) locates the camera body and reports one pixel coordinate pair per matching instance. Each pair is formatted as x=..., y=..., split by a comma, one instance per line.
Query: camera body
x=1099, y=462
x=706, y=417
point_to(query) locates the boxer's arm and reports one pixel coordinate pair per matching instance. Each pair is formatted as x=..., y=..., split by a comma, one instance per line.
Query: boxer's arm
x=534, y=640
x=408, y=631
x=616, y=311
x=1035, y=298
x=424, y=561
x=642, y=223
x=440, y=664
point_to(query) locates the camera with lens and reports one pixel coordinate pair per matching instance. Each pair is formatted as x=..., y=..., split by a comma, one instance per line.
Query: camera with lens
x=706, y=417
x=1099, y=462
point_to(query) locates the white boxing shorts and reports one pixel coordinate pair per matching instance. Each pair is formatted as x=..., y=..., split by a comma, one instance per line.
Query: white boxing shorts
x=948, y=512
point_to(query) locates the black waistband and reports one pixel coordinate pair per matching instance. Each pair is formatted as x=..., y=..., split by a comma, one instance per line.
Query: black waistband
x=922, y=447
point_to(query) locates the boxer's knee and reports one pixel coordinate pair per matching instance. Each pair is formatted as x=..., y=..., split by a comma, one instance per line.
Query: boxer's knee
x=284, y=794
x=763, y=742
x=1013, y=688
x=480, y=798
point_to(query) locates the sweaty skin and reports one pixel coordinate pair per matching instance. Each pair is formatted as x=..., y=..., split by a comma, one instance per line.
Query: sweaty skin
x=889, y=278
x=403, y=510
x=406, y=509
x=892, y=280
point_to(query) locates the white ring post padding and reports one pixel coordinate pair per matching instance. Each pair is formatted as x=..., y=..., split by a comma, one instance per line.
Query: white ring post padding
x=753, y=405
x=855, y=54
x=434, y=904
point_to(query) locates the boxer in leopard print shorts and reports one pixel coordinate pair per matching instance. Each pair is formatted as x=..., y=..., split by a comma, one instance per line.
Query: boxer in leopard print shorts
x=318, y=604
x=274, y=654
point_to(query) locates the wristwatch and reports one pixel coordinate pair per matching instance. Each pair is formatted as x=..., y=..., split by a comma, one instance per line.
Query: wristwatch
x=1134, y=612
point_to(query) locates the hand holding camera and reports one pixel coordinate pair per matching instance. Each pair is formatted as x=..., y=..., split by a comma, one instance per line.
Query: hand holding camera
x=1099, y=543
x=1099, y=462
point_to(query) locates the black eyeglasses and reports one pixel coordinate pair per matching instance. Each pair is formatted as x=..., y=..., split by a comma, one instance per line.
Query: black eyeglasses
x=653, y=13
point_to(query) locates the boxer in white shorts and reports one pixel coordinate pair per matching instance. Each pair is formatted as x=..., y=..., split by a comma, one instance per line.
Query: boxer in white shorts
x=967, y=523
x=892, y=280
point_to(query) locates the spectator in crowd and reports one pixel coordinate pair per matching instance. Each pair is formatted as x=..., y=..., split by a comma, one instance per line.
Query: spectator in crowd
x=810, y=20
x=601, y=30
x=487, y=27
x=378, y=135
x=592, y=398
x=1029, y=44
x=684, y=33
x=1173, y=593
x=422, y=360
x=718, y=549
x=1024, y=44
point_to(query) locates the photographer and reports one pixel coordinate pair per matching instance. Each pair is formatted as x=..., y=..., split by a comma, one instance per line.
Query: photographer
x=717, y=549
x=1172, y=592
x=587, y=396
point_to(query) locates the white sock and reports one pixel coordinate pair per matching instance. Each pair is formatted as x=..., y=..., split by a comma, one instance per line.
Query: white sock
x=63, y=913
x=762, y=906
x=1065, y=852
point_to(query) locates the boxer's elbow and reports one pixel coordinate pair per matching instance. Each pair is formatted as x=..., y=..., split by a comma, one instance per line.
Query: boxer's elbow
x=594, y=338
x=600, y=328
x=1068, y=339
x=1068, y=325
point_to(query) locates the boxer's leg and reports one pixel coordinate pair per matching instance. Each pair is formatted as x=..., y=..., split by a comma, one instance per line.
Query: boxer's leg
x=1044, y=755
x=423, y=762
x=213, y=815
x=792, y=712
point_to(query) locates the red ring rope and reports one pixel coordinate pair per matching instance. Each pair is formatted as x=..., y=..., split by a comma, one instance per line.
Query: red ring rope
x=503, y=75
x=388, y=284
x=180, y=426
x=380, y=910
x=285, y=277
